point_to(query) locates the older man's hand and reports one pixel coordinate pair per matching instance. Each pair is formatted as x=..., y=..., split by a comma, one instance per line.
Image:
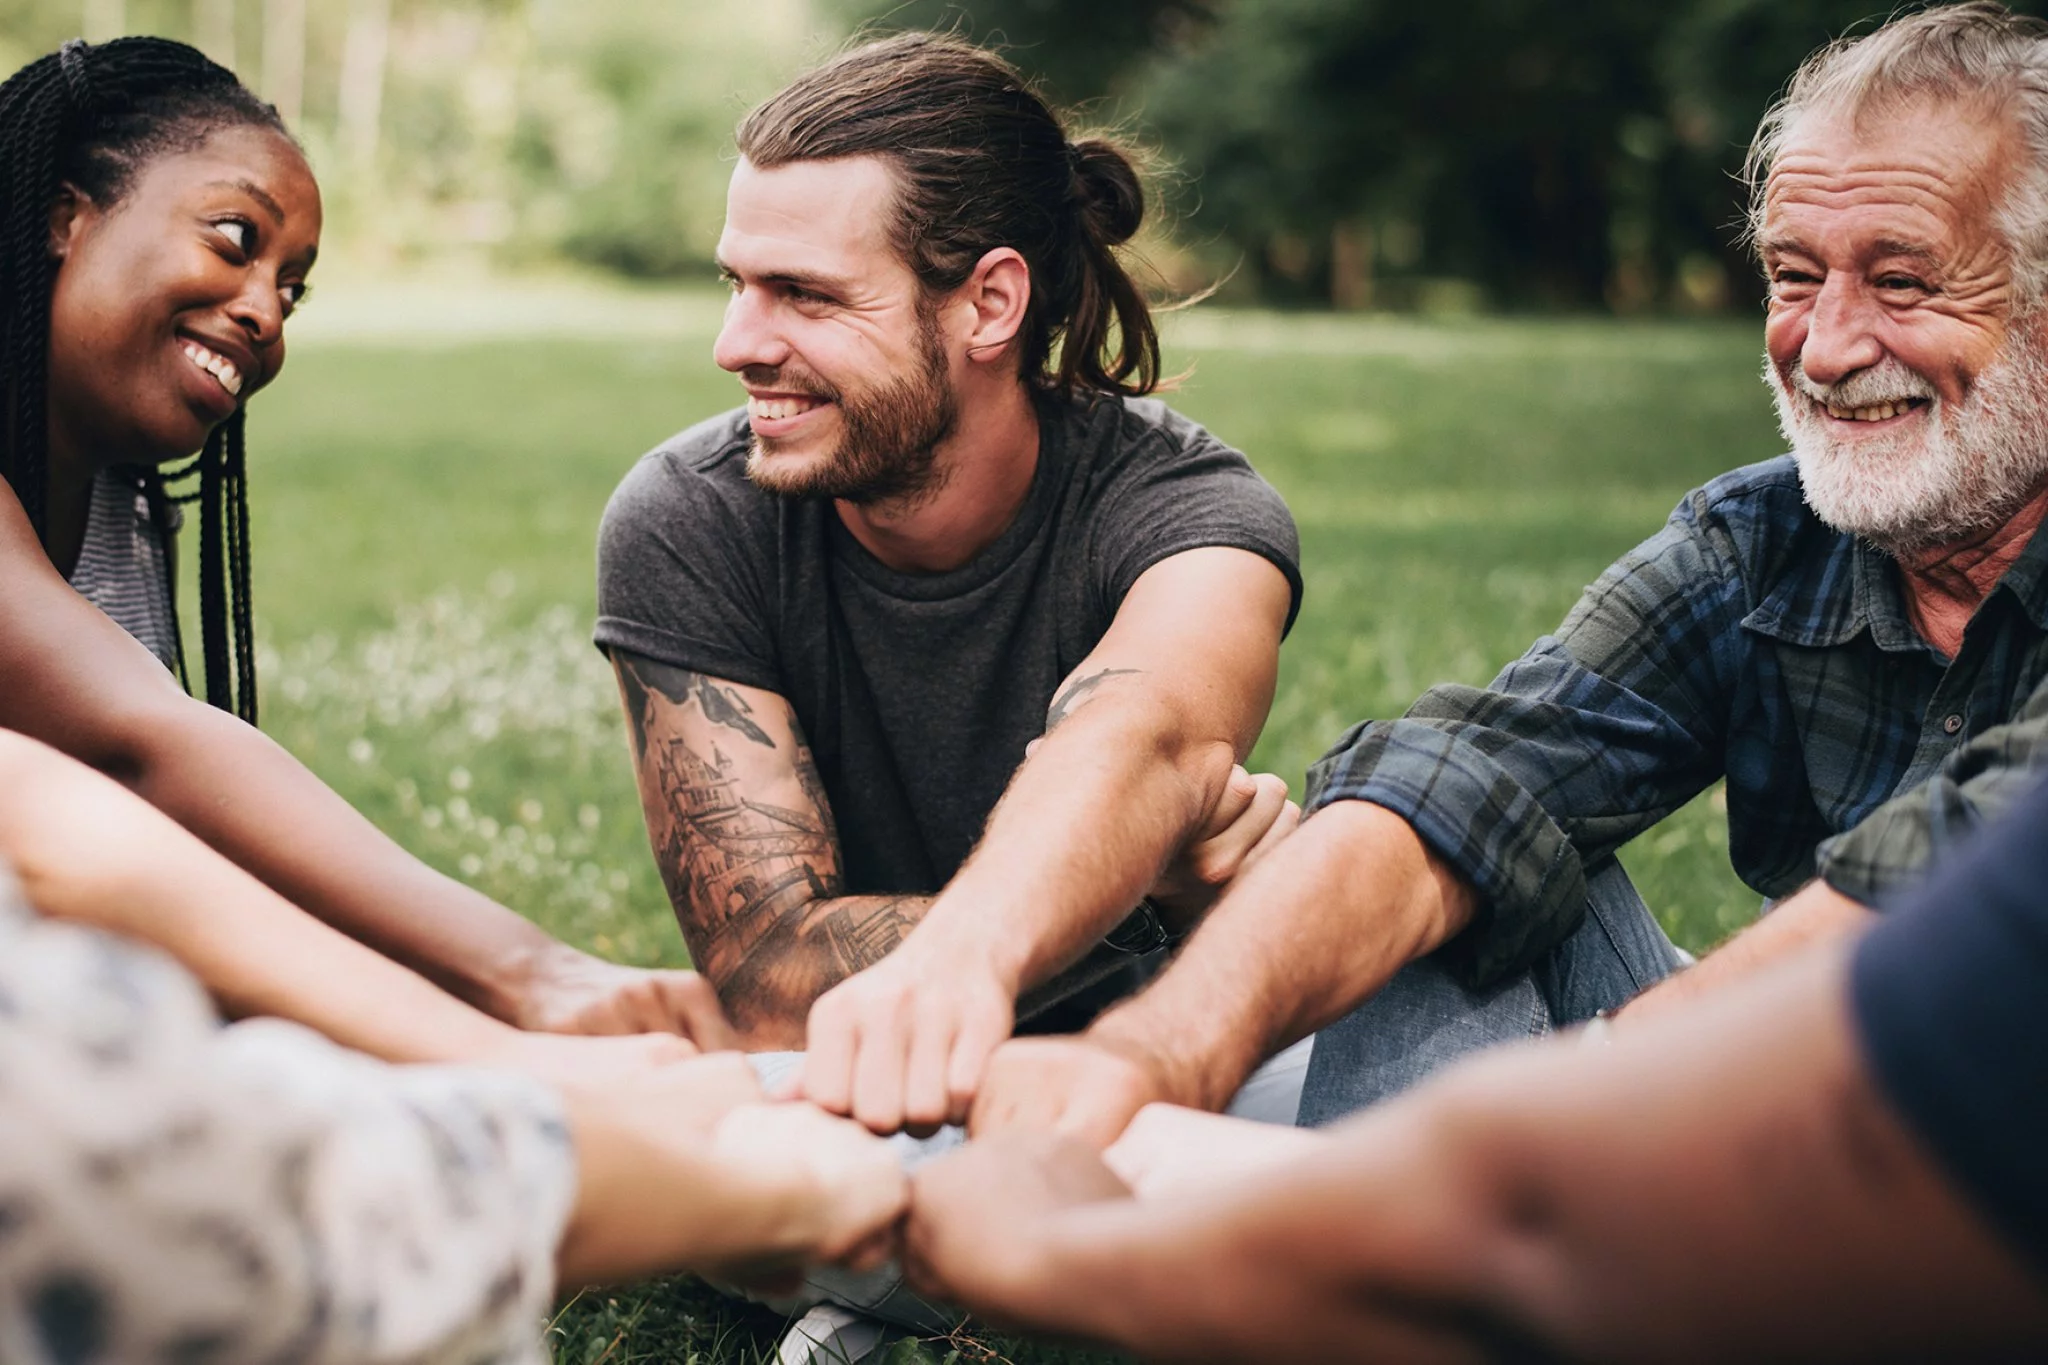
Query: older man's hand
x=1070, y=1087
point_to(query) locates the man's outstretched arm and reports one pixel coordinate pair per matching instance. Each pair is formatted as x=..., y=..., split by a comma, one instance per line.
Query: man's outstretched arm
x=1667, y=1197
x=744, y=837
x=1140, y=754
x=1352, y=897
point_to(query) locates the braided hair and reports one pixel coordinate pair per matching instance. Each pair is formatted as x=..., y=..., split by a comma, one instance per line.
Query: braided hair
x=92, y=116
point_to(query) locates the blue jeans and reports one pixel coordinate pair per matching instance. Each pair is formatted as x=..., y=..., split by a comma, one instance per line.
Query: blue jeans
x=1423, y=1018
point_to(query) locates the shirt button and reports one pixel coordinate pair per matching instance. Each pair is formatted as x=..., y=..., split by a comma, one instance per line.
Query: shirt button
x=1952, y=724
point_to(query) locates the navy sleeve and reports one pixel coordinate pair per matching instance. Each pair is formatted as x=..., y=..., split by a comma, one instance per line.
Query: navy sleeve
x=1950, y=996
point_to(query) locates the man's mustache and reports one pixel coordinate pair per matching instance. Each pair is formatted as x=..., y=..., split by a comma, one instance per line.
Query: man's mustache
x=787, y=379
x=1891, y=380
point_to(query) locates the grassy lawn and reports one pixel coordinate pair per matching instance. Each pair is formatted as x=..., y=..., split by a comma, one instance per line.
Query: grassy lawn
x=430, y=471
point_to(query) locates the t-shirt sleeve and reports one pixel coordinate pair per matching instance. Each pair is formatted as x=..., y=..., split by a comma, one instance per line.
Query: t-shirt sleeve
x=1950, y=995
x=681, y=577
x=1178, y=488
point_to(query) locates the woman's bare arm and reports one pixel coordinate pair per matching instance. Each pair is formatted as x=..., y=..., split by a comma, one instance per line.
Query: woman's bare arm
x=73, y=679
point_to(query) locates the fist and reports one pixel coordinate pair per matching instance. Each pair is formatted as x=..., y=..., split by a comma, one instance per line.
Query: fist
x=903, y=1044
x=1251, y=816
x=1065, y=1086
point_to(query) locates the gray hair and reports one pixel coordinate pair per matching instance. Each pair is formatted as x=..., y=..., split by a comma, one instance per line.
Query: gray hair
x=1979, y=52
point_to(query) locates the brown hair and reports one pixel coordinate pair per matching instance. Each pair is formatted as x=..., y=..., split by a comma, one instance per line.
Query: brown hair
x=983, y=163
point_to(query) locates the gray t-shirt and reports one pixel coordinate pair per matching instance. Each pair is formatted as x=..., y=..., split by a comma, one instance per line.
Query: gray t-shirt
x=124, y=566
x=917, y=692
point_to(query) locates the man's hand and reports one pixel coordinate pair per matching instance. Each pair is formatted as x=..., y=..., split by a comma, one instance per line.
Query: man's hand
x=1066, y=1086
x=572, y=992
x=903, y=1044
x=975, y=1215
x=1251, y=816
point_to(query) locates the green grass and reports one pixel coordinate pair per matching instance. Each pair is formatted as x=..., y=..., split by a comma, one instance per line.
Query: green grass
x=430, y=472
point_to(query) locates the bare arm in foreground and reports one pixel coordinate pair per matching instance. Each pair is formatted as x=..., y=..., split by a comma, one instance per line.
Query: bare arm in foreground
x=73, y=679
x=1668, y=1198
x=88, y=851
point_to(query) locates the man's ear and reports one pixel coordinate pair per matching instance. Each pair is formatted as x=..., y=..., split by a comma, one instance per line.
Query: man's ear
x=999, y=293
x=68, y=216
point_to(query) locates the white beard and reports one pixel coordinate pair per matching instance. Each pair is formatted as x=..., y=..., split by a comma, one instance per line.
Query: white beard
x=1952, y=474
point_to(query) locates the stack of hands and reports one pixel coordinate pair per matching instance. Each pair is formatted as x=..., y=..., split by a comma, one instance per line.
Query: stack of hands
x=922, y=1038
x=919, y=1040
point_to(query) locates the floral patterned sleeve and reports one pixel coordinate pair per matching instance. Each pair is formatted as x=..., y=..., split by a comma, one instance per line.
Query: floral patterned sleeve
x=174, y=1191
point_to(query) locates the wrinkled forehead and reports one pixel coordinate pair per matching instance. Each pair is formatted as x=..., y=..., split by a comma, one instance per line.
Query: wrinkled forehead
x=811, y=217
x=1938, y=170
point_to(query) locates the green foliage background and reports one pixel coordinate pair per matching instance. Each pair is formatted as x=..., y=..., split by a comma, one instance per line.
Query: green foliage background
x=1508, y=154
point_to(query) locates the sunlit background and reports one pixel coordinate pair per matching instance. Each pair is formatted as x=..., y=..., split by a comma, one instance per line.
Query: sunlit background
x=1481, y=315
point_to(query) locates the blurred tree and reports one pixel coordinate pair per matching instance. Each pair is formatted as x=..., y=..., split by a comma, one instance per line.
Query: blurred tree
x=624, y=131
x=1557, y=154
x=1079, y=48
x=1476, y=140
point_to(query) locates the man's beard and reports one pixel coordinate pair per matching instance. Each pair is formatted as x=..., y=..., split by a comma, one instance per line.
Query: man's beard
x=1962, y=470
x=890, y=436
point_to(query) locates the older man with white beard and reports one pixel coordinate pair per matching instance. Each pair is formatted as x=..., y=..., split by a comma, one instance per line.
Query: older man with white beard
x=1851, y=636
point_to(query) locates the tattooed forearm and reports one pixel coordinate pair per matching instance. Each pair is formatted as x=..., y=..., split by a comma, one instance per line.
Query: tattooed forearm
x=1077, y=693
x=769, y=992
x=743, y=835
x=718, y=703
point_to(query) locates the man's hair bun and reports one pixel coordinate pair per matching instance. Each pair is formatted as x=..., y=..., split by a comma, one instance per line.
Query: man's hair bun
x=1112, y=196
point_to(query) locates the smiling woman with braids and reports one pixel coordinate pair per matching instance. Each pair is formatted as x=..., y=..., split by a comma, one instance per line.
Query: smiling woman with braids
x=157, y=223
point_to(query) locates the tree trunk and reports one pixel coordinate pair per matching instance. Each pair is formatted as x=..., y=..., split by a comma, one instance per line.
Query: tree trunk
x=363, y=60
x=284, y=57
x=1351, y=265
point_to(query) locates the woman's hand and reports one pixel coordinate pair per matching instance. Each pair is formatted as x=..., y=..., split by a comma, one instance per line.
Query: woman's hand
x=688, y=1167
x=572, y=992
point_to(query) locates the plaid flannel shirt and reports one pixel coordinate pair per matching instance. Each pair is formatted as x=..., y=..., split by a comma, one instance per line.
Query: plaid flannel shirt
x=1745, y=640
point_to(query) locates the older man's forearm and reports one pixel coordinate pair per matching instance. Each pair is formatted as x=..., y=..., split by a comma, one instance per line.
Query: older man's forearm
x=1817, y=914
x=1307, y=934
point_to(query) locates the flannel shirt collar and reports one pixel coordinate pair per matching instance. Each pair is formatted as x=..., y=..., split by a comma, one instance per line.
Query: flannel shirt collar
x=1850, y=586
